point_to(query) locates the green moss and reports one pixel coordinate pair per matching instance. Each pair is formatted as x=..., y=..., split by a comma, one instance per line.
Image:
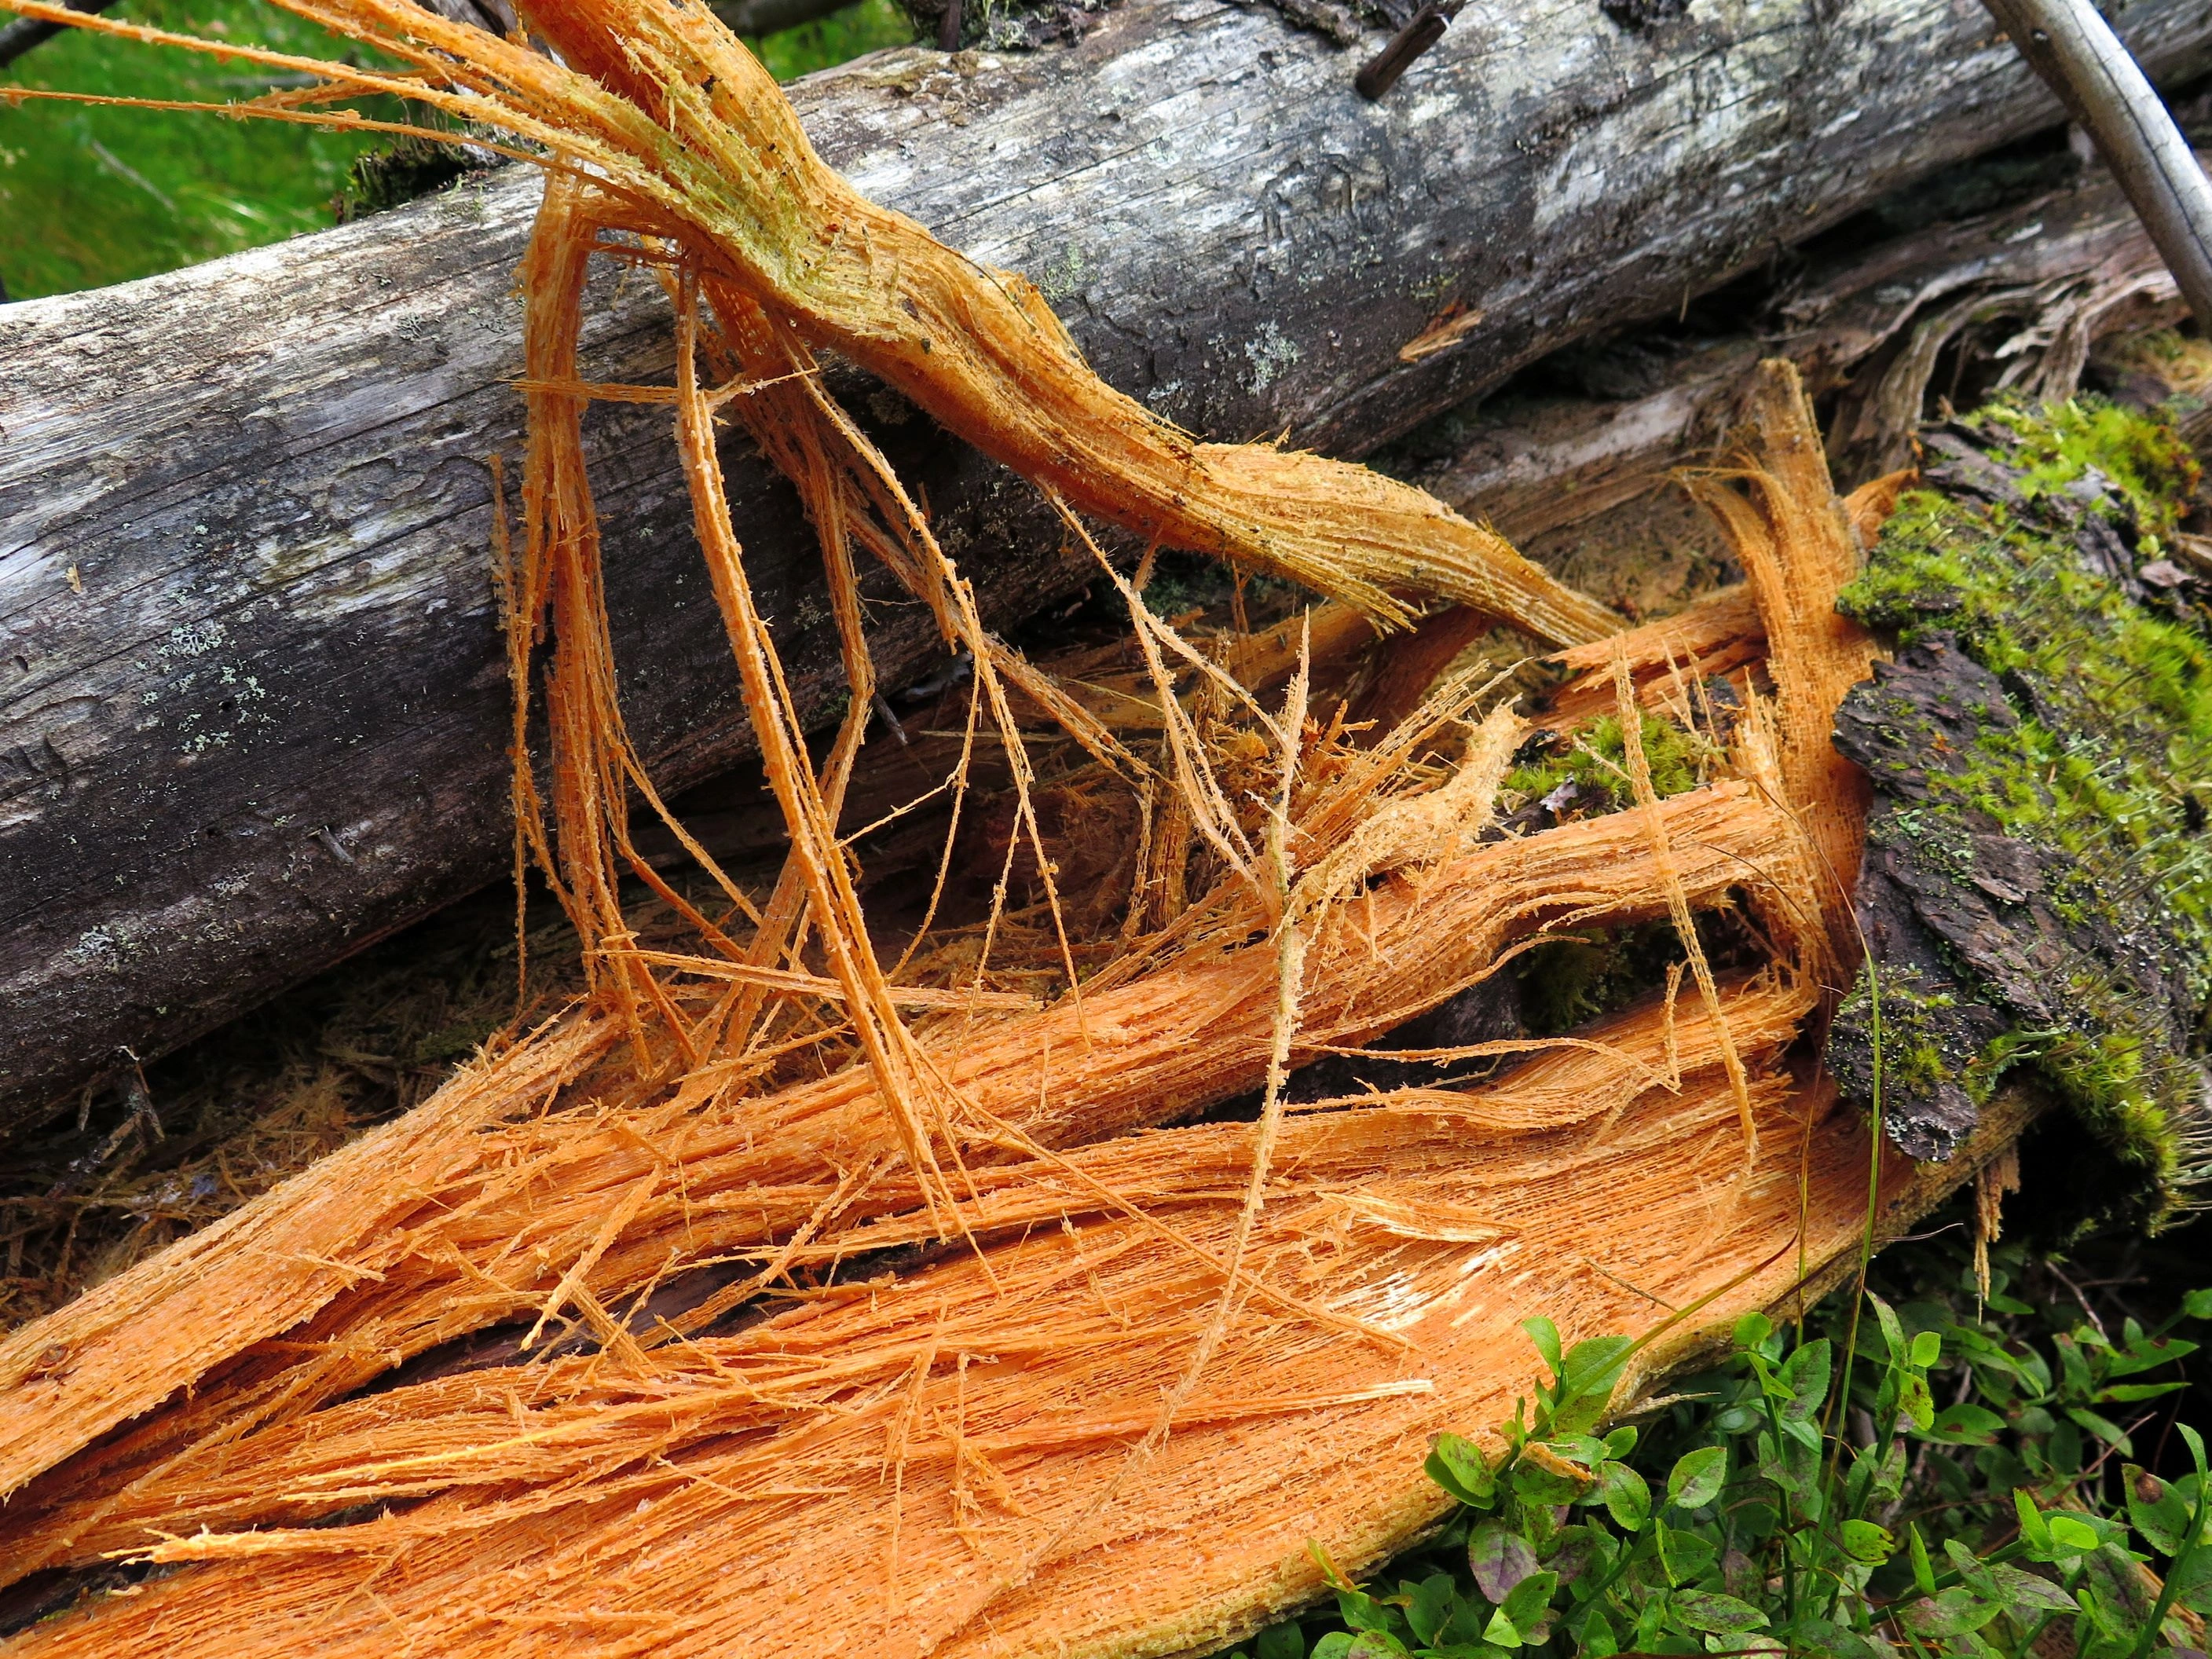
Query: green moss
x=1596, y=764
x=1913, y=1035
x=2109, y=1079
x=2058, y=444
x=2103, y=756
x=1571, y=982
x=2115, y=745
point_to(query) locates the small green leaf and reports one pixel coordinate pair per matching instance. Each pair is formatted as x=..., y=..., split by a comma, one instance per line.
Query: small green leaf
x=1459, y=1467
x=1823, y=1639
x=1598, y=1641
x=1697, y=1477
x=1540, y=1475
x=1334, y=1645
x=1546, y=1335
x=1722, y=1615
x=1954, y=1613
x=1923, y=1575
x=1500, y=1560
x=2160, y=1513
x=1892, y=1332
x=1573, y=1549
x=1431, y=1606
x=2033, y=1526
x=1531, y=1597
x=2103, y=1427
x=2191, y=1578
x=2127, y=1392
x=1914, y=1402
x=1586, y=1385
x=2023, y=1594
x=1362, y=1611
x=2068, y=1534
x=1807, y=1373
x=1596, y=1364
x=1621, y=1441
x=1968, y=1566
x=1927, y=1349
x=2148, y=1353
x=1283, y=1641
x=1375, y=1644
x=1865, y=1541
x=1965, y=1425
x=1752, y=1328
x=1626, y=1496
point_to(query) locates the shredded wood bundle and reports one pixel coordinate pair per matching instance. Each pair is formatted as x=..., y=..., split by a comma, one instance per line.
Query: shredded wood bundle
x=949, y=1469
x=448, y=1220
x=1333, y=1148
x=994, y=1441
x=1415, y=1196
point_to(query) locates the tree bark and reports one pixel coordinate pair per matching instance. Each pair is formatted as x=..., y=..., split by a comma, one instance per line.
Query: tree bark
x=2025, y=291
x=255, y=707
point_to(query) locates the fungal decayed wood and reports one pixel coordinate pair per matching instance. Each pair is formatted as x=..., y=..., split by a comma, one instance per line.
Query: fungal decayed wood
x=1074, y=1250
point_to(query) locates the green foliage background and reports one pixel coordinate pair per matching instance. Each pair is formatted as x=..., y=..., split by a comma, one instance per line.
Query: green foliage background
x=1927, y=1474
x=90, y=196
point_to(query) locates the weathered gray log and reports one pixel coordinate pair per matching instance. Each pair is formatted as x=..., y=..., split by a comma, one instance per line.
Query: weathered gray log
x=253, y=712
x=2040, y=282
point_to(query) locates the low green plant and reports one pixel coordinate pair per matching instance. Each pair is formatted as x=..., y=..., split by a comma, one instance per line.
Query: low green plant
x=93, y=195
x=1916, y=1476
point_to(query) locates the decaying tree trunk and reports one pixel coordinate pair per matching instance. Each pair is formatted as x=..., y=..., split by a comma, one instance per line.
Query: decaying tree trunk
x=255, y=708
x=2027, y=290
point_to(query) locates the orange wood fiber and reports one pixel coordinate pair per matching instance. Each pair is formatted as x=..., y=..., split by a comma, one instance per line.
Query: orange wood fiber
x=909, y=1471
x=1145, y=1369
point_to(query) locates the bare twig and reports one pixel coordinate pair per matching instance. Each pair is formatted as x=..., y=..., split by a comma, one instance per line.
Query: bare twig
x=1426, y=28
x=2075, y=51
x=19, y=36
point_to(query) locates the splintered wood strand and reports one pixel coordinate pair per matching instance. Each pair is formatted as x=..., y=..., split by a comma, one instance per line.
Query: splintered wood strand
x=1799, y=545
x=386, y=1273
x=575, y=1498
x=680, y=122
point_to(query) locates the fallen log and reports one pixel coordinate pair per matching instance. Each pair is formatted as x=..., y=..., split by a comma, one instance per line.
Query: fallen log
x=2022, y=293
x=1581, y=475
x=256, y=714
x=488, y=1508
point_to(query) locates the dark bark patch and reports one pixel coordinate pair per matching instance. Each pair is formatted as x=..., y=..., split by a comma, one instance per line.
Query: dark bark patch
x=2033, y=894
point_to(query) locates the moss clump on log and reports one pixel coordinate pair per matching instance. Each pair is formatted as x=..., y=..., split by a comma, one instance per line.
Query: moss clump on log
x=2037, y=886
x=1589, y=774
